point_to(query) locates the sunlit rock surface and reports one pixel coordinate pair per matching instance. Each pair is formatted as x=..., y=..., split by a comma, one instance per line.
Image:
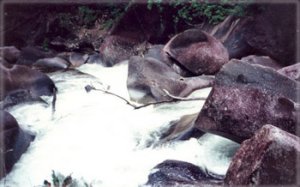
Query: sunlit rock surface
x=268, y=158
x=245, y=97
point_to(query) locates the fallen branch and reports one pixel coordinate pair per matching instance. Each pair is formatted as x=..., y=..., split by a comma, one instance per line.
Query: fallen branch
x=88, y=88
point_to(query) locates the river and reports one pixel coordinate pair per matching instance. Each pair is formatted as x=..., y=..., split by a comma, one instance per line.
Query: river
x=99, y=139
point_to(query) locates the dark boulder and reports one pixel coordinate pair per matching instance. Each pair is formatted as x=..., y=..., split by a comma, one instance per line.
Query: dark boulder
x=262, y=60
x=18, y=77
x=292, y=71
x=10, y=53
x=115, y=49
x=178, y=173
x=245, y=97
x=197, y=51
x=268, y=158
x=30, y=54
x=14, y=142
x=149, y=79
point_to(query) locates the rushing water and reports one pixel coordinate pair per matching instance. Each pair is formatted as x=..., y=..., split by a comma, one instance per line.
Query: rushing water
x=100, y=139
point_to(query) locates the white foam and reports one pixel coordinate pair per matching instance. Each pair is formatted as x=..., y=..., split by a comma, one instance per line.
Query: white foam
x=98, y=137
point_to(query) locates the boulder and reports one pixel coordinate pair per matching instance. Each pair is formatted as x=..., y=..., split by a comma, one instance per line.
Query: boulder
x=268, y=158
x=245, y=97
x=262, y=60
x=14, y=142
x=266, y=29
x=18, y=77
x=51, y=64
x=149, y=79
x=197, y=51
x=178, y=173
x=30, y=54
x=115, y=49
x=78, y=59
x=292, y=71
x=157, y=52
x=10, y=53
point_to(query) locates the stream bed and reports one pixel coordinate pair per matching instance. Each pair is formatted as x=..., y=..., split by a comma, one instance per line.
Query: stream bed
x=102, y=141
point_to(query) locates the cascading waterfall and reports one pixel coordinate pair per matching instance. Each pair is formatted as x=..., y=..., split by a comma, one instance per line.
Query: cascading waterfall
x=100, y=139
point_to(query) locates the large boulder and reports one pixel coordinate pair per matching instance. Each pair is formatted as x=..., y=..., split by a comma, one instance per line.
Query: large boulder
x=18, y=77
x=178, y=173
x=266, y=29
x=197, y=51
x=268, y=158
x=149, y=79
x=245, y=97
x=14, y=142
x=51, y=64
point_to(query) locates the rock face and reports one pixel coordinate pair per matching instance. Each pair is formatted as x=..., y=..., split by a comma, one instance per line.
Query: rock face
x=14, y=142
x=270, y=32
x=18, y=77
x=115, y=49
x=268, y=158
x=292, y=71
x=245, y=97
x=148, y=78
x=178, y=173
x=197, y=52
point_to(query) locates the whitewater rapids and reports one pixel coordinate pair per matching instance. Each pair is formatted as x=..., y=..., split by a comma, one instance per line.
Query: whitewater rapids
x=100, y=139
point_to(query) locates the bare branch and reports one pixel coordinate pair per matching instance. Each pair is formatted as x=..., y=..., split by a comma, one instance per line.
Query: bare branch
x=88, y=88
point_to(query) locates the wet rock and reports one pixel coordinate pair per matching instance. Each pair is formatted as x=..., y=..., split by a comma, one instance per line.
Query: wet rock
x=18, y=77
x=197, y=51
x=78, y=59
x=15, y=142
x=16, y=97
x=245, y=97
x=115, y=49
x=262, y=60
x=292, y=71
x=268, y=158
x=182, y=129
x=30, y=54
x=51, y=64
x=10, y=53
x=94, y=59
x=148, y=79
x=178, y=173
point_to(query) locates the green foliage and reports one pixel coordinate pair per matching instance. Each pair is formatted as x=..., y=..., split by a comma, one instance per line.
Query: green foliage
x=65, y=20
x=45, y=44
x=191, y=10
x=87, y=16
